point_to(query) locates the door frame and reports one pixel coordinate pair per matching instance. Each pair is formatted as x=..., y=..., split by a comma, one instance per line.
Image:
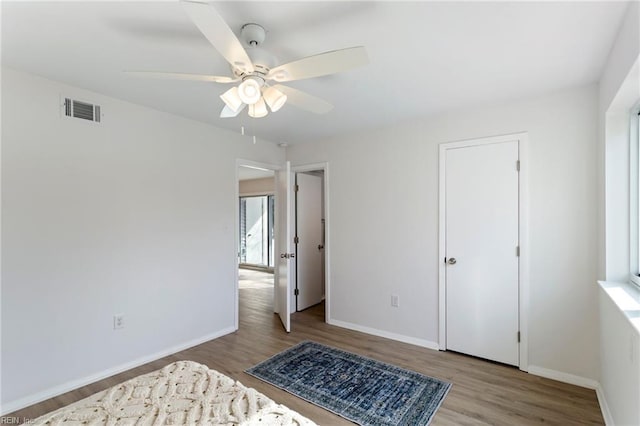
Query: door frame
x=327, y=234
x=523, y=231
x=255, y=165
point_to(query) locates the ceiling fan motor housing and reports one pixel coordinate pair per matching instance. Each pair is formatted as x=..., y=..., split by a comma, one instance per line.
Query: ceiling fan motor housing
x=262, y=60
x=253, y=34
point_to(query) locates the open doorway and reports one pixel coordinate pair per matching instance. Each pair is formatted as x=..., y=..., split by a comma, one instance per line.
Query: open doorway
x=312, y=243
x=283, y=250
x=310, y=239
x=256, y=242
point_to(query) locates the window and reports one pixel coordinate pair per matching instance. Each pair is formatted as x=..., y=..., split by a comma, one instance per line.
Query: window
x=256, y=231
x=634, y=195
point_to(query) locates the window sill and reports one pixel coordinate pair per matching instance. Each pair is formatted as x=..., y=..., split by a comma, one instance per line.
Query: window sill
x=626, y=297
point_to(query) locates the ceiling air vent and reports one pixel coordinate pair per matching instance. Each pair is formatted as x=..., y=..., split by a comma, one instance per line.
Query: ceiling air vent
x=83, y=110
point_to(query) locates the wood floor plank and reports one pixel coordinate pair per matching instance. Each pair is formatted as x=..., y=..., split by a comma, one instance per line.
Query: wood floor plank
x=482, y=393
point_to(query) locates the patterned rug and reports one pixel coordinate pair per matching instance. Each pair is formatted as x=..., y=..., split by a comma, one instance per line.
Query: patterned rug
x=363, y=390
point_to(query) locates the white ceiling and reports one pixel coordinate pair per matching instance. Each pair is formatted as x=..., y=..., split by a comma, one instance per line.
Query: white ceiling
x=425, y=57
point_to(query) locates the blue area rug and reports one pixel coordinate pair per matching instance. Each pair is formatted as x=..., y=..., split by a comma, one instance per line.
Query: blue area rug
x=363, y=390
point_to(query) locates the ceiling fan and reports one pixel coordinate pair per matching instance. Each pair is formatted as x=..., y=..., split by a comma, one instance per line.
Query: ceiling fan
x=255, y=70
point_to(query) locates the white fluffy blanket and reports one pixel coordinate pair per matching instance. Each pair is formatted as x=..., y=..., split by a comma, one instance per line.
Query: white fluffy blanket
x=182, y=393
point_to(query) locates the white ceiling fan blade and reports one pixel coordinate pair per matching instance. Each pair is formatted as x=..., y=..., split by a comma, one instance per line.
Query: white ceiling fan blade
x=183, y=76
x=216, y=30
x=321, y=64
x=229, y=113
x=304, y=100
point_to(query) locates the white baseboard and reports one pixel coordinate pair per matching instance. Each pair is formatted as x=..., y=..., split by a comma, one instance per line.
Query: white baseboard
x=393, y=336
x=564, y=377
x=578, y=381
x=604, y=407
x=18, y=404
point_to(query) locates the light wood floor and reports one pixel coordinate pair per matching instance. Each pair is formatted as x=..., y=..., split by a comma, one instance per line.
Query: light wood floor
x=482, y=392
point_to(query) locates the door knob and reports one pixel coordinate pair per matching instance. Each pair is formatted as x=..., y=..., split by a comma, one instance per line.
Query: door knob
x=320, y=246
x=452, y=261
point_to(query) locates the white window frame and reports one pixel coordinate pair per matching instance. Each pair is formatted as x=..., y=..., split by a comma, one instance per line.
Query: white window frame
x=634, y=195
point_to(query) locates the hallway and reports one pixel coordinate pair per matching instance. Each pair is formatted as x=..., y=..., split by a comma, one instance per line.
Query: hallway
x=256, y=302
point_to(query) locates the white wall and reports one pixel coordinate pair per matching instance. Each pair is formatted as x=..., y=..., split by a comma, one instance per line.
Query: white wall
x=622, y=56
x=384, y=223
x=620, y=367
x=619, y=89
x=134, y=216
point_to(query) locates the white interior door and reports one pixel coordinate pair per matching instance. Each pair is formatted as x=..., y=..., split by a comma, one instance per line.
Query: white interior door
x=284, y=242
x=482, y=314
x=310, y=245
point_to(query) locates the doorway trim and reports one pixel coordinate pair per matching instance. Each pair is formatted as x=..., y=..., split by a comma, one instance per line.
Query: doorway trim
x=327, y=226
x=523, y=231
x=236, y=295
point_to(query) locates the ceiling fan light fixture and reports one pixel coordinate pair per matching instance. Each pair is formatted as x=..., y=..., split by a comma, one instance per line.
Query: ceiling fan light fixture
x=249, y=91
x=232, y=99
x=258, y=109
x=274, y=98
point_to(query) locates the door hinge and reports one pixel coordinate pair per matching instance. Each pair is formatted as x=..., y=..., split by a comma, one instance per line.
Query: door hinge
x=297, y=187
x=296, y=240
x=518, y=165
x=518, y=251
x=296, y=292
x=518, y=337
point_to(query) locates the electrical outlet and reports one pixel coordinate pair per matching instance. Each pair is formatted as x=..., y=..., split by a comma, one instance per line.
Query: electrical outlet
x=118, y=321
x=395, y=301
